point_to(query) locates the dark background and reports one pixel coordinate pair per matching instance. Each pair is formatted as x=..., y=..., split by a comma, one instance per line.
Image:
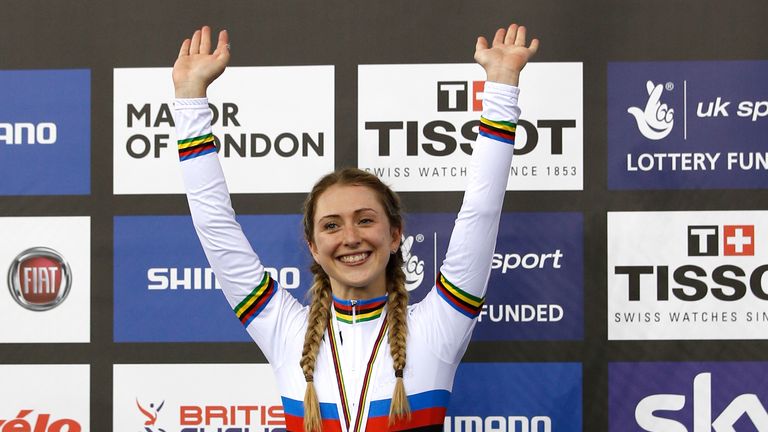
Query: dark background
x=102, y=35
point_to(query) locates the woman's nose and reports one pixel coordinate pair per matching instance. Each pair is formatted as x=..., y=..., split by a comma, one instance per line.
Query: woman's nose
x=351, y=236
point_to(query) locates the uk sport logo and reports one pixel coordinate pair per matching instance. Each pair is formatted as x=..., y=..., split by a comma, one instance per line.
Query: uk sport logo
x=656, y=120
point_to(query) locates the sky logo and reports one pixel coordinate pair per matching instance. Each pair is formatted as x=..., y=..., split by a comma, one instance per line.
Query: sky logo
x=687, y=397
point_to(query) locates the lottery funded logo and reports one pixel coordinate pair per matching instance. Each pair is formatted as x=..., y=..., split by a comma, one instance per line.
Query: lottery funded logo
x=687, y=125
x=687, y=397
x=417, y=125
x=39, y=279
x=706, y=282
x=45, y=142
x=262, y=147
x=541, y=250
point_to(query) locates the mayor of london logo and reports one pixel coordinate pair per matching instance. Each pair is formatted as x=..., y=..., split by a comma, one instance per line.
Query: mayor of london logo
x=39, y=279
x=656, y=120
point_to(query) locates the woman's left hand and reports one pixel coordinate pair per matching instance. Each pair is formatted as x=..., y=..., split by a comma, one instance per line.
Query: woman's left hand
x=508, y=55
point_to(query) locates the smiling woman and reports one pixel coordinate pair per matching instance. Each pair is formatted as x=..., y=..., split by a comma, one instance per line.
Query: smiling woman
x=340, y=378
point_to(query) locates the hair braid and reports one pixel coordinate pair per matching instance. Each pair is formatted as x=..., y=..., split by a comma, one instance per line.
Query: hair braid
x=317, y=322
x=397, y=308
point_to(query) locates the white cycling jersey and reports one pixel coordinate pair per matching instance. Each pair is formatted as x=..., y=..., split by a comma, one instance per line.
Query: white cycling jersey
x=354, y=377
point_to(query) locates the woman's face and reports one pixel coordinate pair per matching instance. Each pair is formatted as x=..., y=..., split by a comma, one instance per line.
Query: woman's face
x=353, y=240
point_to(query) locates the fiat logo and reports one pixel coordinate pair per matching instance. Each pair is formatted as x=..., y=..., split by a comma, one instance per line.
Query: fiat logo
x=39, y=279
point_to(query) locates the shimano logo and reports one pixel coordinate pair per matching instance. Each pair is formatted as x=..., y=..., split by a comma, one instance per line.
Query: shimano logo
x=28, y=133
x=656, y=120
x=497, y=423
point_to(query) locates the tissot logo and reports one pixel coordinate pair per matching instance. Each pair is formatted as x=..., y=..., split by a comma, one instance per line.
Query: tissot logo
x=39, y=279
x=738, y=240
x=707, y=281
x=454, y=95
x=426, y=143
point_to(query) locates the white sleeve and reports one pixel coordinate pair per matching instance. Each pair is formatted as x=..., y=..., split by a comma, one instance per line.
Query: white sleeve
x=452, y=306
x=270, y=314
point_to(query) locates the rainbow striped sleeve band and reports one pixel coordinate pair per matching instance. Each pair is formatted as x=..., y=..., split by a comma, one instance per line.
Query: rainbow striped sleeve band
x=256, y=301
x=191, y=148
x=462, y=301
x=498, y=130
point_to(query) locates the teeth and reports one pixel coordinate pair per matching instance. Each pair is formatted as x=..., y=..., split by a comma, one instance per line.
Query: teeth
x=349, y=259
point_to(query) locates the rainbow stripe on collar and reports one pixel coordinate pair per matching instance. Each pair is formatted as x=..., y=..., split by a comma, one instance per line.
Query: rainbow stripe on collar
x=503, y=131
x=349, y=311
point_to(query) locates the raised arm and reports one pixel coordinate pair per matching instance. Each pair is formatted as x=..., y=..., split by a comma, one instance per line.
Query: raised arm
x=463, y=277
x=268, y=313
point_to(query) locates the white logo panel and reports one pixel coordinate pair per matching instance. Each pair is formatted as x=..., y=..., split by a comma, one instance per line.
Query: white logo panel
x=274, y=127
x=171, y=397
x=45, y=398
x=687, y=275
x=416, y=125
x=69, y=321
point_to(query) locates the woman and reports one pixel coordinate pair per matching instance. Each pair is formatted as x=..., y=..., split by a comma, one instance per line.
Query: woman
x=328, y=357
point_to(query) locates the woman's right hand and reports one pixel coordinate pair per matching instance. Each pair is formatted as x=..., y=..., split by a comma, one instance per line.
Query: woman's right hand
x=196, y=67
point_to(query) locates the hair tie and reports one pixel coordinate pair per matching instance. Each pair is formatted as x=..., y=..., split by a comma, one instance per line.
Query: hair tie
x=398, y=373
x=309, y=378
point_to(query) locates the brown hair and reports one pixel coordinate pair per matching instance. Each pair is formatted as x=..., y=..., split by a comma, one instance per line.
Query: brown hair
x=320, y=307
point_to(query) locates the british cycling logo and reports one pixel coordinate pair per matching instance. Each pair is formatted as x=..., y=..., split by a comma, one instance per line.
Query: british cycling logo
x=413, y=267
x=656, y=120
x=151, y=415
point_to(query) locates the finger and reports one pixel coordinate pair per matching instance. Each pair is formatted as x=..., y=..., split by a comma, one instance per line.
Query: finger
x=481, y=44
x=222, y=47
x=498, y=38
x=511, y=32
x=520, y=38
x=184, y=50
x=205, y=40
x=194, y=47
x=534, y=46
x=223, y=42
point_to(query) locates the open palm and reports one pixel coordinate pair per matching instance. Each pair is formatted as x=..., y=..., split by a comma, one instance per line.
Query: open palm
x=197, y=67
x=507, y=56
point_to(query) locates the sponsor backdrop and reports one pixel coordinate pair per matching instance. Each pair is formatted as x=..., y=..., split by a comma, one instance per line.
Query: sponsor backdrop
x=628, y=287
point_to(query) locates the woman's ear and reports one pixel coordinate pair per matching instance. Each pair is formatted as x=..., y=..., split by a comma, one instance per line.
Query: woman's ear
x=312, y=249
x=397, y=235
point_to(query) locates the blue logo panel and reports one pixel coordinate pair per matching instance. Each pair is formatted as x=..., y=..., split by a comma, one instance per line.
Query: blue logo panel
x=664, y=396
x=687, y=125
x=45, y=132
x=516, y=397
x=536, y=287
x=165, y=291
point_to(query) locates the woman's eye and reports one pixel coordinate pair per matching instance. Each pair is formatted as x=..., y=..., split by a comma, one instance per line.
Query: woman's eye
x=330, y=226
x=365, y=221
